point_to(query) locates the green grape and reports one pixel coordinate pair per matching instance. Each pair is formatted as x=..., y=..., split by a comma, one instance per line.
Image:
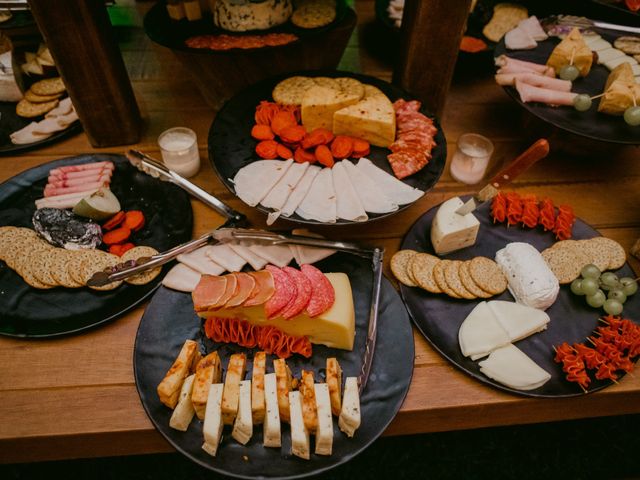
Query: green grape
x=582, y=102
x=609, y=279
x=597, y=299
x=612, y=307
x=629, y=286
x=590, y=271
x=569, y=72
x=632, y=116
x=589, y=286
x=576, y=287
x=617, y=294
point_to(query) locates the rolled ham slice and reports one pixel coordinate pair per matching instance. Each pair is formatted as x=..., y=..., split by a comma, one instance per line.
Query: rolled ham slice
x=85, y=174
x=513, y=65
x=529, y=93
x=83, y=167
x=58, y=182
x=534, y=79
x=52, y=190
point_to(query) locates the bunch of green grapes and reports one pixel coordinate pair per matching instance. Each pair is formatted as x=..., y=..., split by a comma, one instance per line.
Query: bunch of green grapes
x=593, y=284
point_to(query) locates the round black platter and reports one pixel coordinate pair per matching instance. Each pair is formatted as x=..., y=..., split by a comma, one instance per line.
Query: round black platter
x=170, y=319
x=231, y=146
x=28, y=312
x=439, y=317
x=172, y=34
x=590, y=124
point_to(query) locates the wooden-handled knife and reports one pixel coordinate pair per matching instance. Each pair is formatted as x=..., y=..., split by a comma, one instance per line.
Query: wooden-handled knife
x=535, y=152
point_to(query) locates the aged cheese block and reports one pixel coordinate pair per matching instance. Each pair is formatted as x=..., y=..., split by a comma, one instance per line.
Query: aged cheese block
x=372, y=119
x=451, y=231
x=319, y=105
x=618, y=97
x=622, y=72
x=572, y=47
x=241, y=16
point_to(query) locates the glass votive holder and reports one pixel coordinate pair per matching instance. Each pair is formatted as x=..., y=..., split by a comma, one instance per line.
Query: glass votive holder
x=470, y=161
x=179, y=147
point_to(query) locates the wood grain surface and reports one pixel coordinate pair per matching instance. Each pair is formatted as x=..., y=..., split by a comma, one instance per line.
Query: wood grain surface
x=76, y=397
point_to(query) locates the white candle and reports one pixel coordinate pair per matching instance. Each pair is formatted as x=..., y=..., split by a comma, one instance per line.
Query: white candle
x=179, y=147
x=470, y=161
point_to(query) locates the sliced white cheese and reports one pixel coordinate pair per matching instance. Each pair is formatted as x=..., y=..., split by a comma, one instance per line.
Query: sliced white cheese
x=183, y=413
x=181, y=278
x=609, y=54
x=243, y=426
x=254, y=181
x=212, y=427
x=532, y=26
x=519, y=39
x=598, y=44
x=324, y=432
x=636, y=70
x=480, y=333
x=397, y=191
x=300, y=445
x=278, y=255
x=303, y=254
x=349, y=419
x=200, y=262
x=320, y=202
x=513, y=368
x=271, y=427
x=256, y=261
x=373, y=199
x=226, y=257
x=279, y=194
x=519, y=321
x=300, y=191
x=450, y=231
x=591, y=39
x=611, y=64
x=348, y=205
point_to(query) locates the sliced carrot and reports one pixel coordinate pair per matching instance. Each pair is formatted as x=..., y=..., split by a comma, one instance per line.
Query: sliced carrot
x=114, y=221
x=283, y=152
x=302, y=156
x=282, y=120
x=313, y=139
x=360, y=148
x=267, y=149
x=342, y=146
x=125, y=246
x=134, y=220
x=118, y=235
x=293, y=134
x=262, y=132
x=323, y=154
x=472, y=45
x=116, y=249
x=265, y=112
x=326, y=134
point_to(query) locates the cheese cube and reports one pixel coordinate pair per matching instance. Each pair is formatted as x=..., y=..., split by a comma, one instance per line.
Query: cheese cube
x=183, y=413
x=450, y=231
x=349, y=419
x=243, y=427
x=212, y=428
x=271, y=434
x=324, y=432
x=299, y=433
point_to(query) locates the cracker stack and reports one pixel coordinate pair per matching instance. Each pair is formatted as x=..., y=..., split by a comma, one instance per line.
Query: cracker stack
x=41, y=98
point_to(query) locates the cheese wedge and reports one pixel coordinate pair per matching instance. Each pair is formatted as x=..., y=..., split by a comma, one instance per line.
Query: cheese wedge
x=308, y=396
x=213, y=425
x=169, y=387
x=257, y=387
x=300, y=444
x=623, y=72
x=372, y=119
x=451, y=231
x=572, y=47
x=231, y=396
x=334, y=383
x=349, y=419
x=519, y=321
x=271, y=429
x=284, y=386
x=319, y=105
x=513, y=368
x=243, y=426
x=480, y=333
x=324, y=432
x=208, y=371
x=183, y=413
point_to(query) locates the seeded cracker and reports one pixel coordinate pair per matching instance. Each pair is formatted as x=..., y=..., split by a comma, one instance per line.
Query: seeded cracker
x=314, y=14
x=618, y=256
x=76, y=257
x=59, y=260
x=139, y=252
x=452, y=278
x=98, y=262
x=291, y=90
x=438, y=275
x=565, y=263
x=421, y=269
x=399, y=266
x=469, y=284
x=48, y=86
x=487, y=275
x=595, y=254
x=34, y=98
x=27, y=109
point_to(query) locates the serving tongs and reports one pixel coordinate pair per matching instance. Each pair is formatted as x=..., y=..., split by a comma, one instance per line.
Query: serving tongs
x=584, y=23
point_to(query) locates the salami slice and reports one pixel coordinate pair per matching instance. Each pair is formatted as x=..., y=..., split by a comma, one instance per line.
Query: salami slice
x=208, y=292
x=285, y=291
x=322, y=293
x=407, y=162
x=263, y=289
x=303, y=295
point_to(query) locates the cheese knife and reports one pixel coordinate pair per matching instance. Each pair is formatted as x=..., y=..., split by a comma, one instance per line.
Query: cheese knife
x=535, y=152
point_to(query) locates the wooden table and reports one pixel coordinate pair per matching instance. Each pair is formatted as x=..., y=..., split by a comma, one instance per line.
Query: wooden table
x=75, y=397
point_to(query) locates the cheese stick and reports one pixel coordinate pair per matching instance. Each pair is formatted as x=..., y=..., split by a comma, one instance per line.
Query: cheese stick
x=308, y=396
x=284, y=386
x=334, y=382
x=243, y=426
x=230, y=397
x=349, y=419
x=299, y=434
x=183, y=413
x=324, y=432
x=212, y=428
x=257, y=387
x=208, y=371
x=169, y=387
x=271, y=433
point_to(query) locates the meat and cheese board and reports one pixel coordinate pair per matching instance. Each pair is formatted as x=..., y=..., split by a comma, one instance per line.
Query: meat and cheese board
x=48, y=251
x=531, y=267
x=326, y=147
x=255, y=449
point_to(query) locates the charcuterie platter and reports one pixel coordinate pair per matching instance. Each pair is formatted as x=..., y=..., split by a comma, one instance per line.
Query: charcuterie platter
x=261, y=451
x=326, y=147
x=550, y=315
x=48, y=250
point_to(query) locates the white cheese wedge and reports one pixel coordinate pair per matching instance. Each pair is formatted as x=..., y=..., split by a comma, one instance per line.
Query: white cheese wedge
x=480, y=333
x=598, y=44
x=348, y=204
x=324, y=432
x=256, y=261
x=349, y=419
x=181, y=278
x=243, y=16
x=531, y=282
x=243, y=426
x=279, y=194
x=212, y=427
x=320, y=202
x=226, y=257
x=278, y=255
x=200, y=262
x=373, y=198
x=532, y=26
x=609, y=54
x=450, y=231
x=519, y=39
x=253, y=182
x=513, y=368
x=271, y=432
x=183, y=413
x=300, y=445
x=591, y=39
x=300, y=191
x=519, y=321
x=396, y=190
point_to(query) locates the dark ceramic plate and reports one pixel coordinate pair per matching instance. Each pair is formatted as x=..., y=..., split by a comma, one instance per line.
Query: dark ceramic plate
x=439, y=317
x=11, y=122
x=591, y=124
x=27, y=312
x=231, y=146
x=172, y=34
x=169, y=320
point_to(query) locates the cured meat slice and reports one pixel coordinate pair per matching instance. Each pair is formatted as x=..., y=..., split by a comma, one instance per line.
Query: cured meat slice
x=52, y=191
x=529, y=93
x=263, y=289
x=522, y=65
x=322, y=293
x=285, y=290
x=303, y=293
x=208, y=292
x=246, y=283
x=229, y=291
x=83, y=167
x=407, y=162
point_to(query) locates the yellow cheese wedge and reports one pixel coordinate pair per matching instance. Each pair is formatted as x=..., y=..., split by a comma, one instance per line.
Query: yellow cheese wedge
x=573, y=47
x=319, y=105
x=372, y=119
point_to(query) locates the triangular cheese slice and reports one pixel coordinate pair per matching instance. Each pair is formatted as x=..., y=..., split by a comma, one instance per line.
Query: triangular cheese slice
x=519, y=321
x=480, y=333
x=348, y=205
x=254, y=181
x=300, y=191
x=398, y=191
x=513, y=368
x=320, y=202
x=226, y=257
x=279, y=194
x=373, y=199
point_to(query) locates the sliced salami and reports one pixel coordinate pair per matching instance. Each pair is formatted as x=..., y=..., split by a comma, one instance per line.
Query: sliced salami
x=303, y=295
x=285, y=291
x=262, y=291
x=407, y=162
x=322, y=293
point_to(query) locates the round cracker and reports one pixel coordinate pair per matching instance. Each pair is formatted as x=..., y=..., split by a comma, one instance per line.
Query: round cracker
x=469, y=284
x=98, y=262
x=452, y=278
x=421, y=268
x=48, y=86
x=600, y=257
x=327, y=82
x=618, y=256
x=27, y=109
x=565, y=263
x=399, y=266
x=438, y=275
x=41, y=266
x=350, y=86
x=76, y=258
x=314, y=14
x=291, y=90
x=488, y=275
x=35, y=98
x=139, y=252
x=59, y=272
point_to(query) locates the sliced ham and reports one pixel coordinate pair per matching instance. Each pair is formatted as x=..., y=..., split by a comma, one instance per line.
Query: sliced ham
x=246, y=284
x=263, y=290
x=71, y=182
x=534, y=79
x=85, y=174
x=53, y=191
x=515, y=66
x=529, y=93
x=83, y=167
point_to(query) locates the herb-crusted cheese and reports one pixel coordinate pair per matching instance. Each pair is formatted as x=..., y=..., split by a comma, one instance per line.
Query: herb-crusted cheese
x=241, y=16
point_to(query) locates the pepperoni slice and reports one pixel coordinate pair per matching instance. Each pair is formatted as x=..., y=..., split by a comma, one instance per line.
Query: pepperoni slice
x=245, y=287
x=263, y=289
x=208, y=292
x=322, y=293
x=301, y=300
x=285, y=291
